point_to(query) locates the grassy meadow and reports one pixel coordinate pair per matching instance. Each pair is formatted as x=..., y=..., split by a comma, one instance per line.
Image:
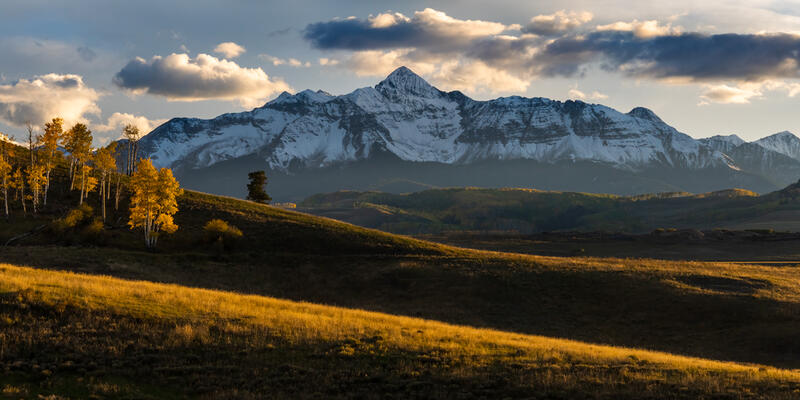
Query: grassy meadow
x=402, y=317
x=80, y=336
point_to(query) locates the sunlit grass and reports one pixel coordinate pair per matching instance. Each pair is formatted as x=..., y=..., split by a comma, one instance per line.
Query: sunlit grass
x=537, y=361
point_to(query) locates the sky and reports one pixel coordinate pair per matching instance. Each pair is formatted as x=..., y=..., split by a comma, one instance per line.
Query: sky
x=706, y=68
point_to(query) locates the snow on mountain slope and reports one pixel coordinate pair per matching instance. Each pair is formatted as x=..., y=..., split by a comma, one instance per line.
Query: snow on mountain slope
x=405, y=116
x=723, y=143
x=785, y=142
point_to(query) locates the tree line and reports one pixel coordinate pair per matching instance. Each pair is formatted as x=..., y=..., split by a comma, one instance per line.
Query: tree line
x=26, y=178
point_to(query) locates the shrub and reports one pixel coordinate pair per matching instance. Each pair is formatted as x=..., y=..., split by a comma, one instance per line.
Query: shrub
x=76, y=217
x=94, y=232
x=219, y=231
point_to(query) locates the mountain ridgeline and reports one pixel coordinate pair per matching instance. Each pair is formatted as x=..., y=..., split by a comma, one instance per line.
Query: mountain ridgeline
x=405, y=135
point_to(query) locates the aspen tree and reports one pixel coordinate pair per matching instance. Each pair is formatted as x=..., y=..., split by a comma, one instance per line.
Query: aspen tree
x=105, y=163
x=36, y=181
x=153, y=201
x=53, y=133
x=18, y=180
x=5, y=171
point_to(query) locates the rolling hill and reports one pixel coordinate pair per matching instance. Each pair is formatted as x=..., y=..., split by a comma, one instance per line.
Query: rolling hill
x=531, y=211
x=69, y=335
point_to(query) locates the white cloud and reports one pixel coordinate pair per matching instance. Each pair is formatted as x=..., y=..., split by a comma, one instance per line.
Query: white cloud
x=292, y=62
x=476, y=77
x=470, y=76
x=726, y=94
x=118, y=120
x=641, y=29
x=44, y=97
x=445, y=25
x=387, y=19
x=229, y=49
x=325, y=61
x=178, y=77
x=558, y=22
x=575, y=93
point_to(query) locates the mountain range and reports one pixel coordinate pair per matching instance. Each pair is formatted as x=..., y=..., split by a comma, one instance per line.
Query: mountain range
x=404, y=135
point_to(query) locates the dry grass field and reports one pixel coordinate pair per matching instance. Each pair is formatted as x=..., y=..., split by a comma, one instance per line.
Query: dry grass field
x=75, y=335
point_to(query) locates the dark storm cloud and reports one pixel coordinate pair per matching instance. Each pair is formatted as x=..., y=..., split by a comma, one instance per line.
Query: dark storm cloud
x=429, y=29
x=694, y=56
x=691, y=55
x=356, y=34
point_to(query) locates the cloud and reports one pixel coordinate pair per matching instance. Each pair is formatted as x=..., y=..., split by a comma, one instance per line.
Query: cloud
x=727, y=95
x=325, y=61
x=556, y=23
x=86, y=53
x=229, y=49
x=279, y=32
x=44, y=97
x=689, y=56
x=575, y=93
x=181, y=78
x=744, y=92
x=556, y=45
x=641, y=29
x=425, y=29
x=118, y=120
x=470, y=76
x=292, y=62
x=26, y=56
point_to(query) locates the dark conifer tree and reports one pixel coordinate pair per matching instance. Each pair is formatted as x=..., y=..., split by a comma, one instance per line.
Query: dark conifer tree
x=255, y=189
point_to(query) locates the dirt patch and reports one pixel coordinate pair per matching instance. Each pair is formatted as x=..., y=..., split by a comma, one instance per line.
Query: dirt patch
x=721, y=284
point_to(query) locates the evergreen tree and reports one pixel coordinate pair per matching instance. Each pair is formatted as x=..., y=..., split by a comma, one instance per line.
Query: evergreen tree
x=255, y=189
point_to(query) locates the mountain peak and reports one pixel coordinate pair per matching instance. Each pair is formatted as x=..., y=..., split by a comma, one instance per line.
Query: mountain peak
x=644, y=113
x=405, y=80
x=785, y=142
x=785, y=135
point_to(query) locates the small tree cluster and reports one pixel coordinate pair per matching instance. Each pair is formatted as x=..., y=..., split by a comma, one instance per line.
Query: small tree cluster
x=153, y=201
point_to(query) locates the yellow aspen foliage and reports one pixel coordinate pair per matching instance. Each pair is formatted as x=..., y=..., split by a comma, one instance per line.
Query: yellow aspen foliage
x=86, y=180
x=153, y=201
x=18, y=183
x=53, y=133
x=5, y=172
x=37, y=179
x=106, y=164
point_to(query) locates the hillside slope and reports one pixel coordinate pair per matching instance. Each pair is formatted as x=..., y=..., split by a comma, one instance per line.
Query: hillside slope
x=529, y=211
x=79, y=336
x=678, y=307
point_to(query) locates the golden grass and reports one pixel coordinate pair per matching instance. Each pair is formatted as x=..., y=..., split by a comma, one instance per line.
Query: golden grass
x=569, y=364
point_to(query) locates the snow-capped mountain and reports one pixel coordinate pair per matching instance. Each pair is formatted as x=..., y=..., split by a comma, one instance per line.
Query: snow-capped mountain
x=405, y=119
x=411, y=119
x=785, y=142
x=723, y=143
